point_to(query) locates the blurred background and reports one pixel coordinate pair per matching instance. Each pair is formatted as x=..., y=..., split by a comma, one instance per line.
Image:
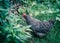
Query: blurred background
x=13, y=25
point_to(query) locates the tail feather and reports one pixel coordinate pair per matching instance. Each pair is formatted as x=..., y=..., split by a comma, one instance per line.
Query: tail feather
x=52, y=21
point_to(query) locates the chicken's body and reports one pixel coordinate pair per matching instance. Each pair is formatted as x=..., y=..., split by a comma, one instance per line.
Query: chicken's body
x=40, y=28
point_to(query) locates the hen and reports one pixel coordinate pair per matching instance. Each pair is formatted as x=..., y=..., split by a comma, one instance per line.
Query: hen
x=39, y=28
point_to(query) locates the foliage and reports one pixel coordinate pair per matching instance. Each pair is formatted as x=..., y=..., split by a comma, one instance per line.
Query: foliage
x=13, y=26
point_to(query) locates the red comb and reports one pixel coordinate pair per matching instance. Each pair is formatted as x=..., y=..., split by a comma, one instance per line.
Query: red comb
x=24, y=15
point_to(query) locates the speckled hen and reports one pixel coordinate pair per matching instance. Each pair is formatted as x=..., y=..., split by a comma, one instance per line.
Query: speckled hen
x=39, y=28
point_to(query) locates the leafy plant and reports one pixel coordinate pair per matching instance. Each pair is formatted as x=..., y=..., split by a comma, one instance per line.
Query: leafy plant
x=13, y=25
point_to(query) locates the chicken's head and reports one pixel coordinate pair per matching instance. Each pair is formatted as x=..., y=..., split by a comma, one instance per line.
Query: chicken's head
x=24, y=15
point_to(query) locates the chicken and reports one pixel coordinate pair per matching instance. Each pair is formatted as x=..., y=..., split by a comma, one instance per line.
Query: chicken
x=39, y=28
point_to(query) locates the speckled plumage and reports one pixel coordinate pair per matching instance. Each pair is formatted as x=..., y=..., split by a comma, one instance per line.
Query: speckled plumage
x=40, y=28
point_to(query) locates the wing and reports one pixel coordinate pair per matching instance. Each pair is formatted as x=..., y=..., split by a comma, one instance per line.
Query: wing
x=42, y=27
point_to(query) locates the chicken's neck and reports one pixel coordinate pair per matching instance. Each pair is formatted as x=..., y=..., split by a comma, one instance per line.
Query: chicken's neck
x=28, y=19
